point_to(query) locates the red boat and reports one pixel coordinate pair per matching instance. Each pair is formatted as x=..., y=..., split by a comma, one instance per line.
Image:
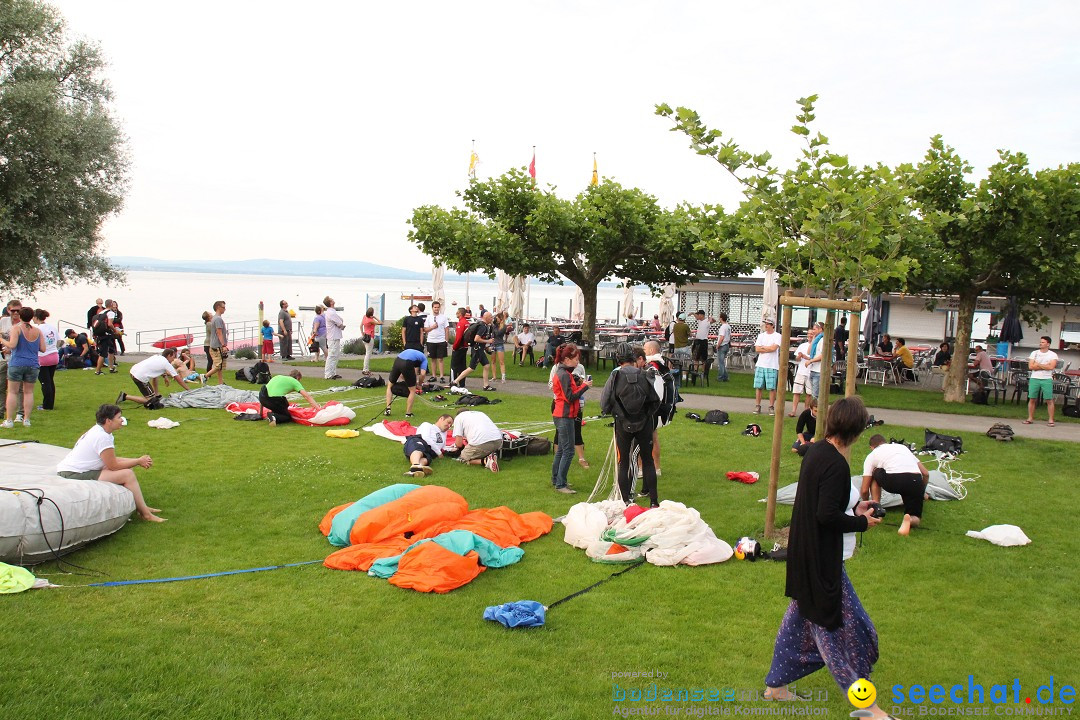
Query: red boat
x=174, y=341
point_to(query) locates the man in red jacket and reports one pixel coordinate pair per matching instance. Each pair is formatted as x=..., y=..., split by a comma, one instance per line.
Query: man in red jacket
x=461, y=349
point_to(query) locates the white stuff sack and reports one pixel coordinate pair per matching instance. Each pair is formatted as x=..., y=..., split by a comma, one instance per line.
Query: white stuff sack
x=1004, y=535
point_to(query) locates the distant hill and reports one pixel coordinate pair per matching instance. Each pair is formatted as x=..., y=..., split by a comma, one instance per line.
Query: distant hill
x=262, y=266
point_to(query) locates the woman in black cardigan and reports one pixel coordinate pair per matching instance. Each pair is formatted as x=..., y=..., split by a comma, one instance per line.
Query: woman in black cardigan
x=825, y=624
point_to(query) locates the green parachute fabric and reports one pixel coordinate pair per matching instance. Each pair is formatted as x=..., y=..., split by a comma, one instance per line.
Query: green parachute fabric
x=343, y=521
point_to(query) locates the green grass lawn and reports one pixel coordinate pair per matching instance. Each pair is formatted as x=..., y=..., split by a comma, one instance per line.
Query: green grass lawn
x=310, y=642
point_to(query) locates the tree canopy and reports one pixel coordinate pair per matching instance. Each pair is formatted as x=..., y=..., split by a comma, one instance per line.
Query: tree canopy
x=63, y=163
x=1015, y=233
x=607, y=231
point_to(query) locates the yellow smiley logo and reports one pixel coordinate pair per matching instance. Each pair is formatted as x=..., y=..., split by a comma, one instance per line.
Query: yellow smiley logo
x=862, y=693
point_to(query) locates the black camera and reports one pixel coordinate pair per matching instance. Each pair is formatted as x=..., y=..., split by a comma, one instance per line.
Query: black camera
x=876, y=510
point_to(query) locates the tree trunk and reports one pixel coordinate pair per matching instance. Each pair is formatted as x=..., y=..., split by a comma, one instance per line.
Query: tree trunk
x=955, y=386
x=588, y=326
x=826, y=373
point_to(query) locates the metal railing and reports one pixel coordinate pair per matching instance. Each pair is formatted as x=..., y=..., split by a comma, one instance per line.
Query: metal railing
x=242, y=333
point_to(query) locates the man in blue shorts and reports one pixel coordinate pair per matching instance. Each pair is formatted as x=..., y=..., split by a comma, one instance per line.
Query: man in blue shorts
x=405, y=380
x=767, y=346
x=427, y=444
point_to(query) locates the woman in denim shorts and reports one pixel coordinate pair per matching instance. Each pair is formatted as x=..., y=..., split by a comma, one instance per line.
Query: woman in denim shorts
x=24, y=342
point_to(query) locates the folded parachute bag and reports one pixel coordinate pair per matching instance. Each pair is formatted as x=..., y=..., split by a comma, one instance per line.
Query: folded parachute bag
x=523, y=613
x=457, y=541
x=341, y=518
x=432, y=568
x=411, y=513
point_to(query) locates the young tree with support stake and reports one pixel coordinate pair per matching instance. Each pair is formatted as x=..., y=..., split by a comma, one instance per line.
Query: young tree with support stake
x=606, y=231
x=1015, y=234
x=828, y=228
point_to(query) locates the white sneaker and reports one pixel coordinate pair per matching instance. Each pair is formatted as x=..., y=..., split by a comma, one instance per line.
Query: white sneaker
x=26, y=423
x=491, y=462
x=18, y=417
x=7, y=424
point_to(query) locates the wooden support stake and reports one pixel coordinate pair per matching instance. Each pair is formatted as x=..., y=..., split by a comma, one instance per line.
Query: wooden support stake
x=778, y=423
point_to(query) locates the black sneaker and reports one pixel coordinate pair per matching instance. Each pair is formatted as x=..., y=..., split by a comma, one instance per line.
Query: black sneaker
x=121, y=398
x=408, y=414
x=386, y=412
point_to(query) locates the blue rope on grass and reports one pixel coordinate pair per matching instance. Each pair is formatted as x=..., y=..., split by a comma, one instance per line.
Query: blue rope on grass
x=118, y=583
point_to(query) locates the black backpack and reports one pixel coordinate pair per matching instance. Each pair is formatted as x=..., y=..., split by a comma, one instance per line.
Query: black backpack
x=473, y=400
x=635, y=399
x=260, y=372
x=370, y=381
x=666, y=411
x=943, y=443
x=101, y=324
x=537, y=445
x=716, y=417
x=471, y=332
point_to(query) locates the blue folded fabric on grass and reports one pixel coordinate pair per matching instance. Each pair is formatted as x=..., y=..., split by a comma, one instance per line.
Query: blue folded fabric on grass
x=523, y=613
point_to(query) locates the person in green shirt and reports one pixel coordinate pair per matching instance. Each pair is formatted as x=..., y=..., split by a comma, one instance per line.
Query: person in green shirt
x=272, y=396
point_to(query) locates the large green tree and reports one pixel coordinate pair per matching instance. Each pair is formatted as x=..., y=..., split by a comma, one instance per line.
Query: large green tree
x=1015, y=233
x=62, y=159
x=607, y=231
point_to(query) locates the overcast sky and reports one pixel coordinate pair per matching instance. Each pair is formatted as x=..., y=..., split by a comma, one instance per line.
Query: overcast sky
x=312, y=130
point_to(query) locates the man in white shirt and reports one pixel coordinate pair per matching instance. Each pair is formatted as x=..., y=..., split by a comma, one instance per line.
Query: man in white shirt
x=892, y=466
x=723, y=347
x=94, y=458
x=1042, y=364
x=334, y=327
x=478, y=439
x=427, y=444
x=523, y=344
x=701, y=339
x=435, y=327
x=801, y=386
x=148, y=371
x=767, y=346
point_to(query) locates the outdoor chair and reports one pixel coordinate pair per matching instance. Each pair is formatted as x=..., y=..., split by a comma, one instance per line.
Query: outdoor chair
x=877, y=368
x=1020, y=384
x=698, y=371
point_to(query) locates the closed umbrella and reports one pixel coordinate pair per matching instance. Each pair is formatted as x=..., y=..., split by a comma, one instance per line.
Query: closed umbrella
x=872, y=322
x=579, y=306
x=667, y=305
x=503, y=301
x=770, y=294
x=1011, y=332
x=438, y=287
x=628, y=299
x=517, y=296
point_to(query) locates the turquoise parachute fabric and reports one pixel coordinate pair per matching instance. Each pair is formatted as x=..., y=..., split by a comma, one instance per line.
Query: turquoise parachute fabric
x=460, y=542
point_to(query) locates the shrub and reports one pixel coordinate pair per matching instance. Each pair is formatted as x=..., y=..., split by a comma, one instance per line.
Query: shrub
x=353, y=347
x=246, y=353
x=392, y=337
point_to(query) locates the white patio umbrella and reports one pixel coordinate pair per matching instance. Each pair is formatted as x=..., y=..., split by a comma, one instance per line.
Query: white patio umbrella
x=438, y=286
x=667, y=305
x=517, y=296
x=628, y=304
x=770, y=294
x=503, y=301
x=579, y=306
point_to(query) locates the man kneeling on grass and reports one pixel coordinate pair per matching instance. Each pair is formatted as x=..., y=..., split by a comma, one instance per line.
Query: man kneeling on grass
x=427, y=444
x=272, y=397
x=145, y=374
x=94, y=458
x=892, y=466
x=478, y=439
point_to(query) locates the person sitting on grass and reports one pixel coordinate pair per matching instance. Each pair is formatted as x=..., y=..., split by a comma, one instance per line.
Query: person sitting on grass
x=892, y=466
x=805, y=428
x=272, y=397
x=427, y=444
x=94, y=458
x=185, y=366
x=406, y=375
x=147, y=371
x=477, y=439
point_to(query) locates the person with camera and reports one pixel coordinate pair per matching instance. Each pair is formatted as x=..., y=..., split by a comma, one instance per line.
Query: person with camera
x=825, y=624
x=893, y=467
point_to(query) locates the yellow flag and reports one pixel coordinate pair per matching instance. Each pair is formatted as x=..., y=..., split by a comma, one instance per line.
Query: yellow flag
x=474, y=160
x=595, y=176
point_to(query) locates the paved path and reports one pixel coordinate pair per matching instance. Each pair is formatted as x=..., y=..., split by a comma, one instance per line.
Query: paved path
x=1069, y=431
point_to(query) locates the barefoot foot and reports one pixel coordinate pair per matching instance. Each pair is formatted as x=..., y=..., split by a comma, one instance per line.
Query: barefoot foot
x=151, y=517
x=905, y=527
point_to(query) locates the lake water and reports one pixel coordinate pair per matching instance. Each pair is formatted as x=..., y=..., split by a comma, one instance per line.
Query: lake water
x=153, y=301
